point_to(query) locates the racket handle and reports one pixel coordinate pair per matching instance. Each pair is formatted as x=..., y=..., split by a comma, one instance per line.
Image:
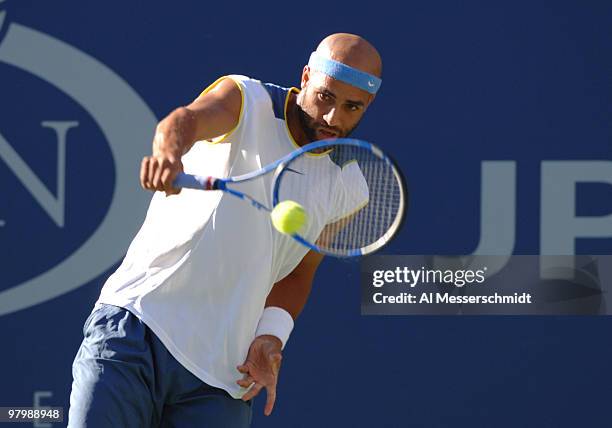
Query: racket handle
x=190, y=181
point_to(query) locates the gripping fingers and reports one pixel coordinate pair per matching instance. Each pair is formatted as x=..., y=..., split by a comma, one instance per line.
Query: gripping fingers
x=158, y=173
x=153, y=170
x=144, y=172
x=167, y=178
x=147, y=172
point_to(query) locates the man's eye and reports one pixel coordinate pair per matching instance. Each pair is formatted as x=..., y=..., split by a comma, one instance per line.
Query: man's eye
x=324, y=97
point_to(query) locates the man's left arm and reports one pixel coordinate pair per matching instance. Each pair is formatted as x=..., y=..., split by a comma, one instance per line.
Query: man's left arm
x=263, y=360
x=291, y=292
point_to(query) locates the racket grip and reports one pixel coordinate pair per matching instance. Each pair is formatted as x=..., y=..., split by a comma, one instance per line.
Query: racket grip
x=190, y=181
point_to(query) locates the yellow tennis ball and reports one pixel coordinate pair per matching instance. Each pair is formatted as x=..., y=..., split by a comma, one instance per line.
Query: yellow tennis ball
x=288, y=217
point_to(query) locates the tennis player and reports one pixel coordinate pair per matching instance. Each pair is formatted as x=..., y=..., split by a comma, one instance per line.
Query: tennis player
x=191, y=325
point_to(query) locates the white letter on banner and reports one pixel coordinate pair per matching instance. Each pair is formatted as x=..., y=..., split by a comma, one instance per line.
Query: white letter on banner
x=497, y=221
x=559, y=225
x=54, y=206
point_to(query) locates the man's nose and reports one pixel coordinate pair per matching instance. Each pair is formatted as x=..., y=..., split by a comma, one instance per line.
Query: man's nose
x=331, y=118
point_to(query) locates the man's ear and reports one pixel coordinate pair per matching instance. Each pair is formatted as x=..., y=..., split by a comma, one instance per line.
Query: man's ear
x=305, y=76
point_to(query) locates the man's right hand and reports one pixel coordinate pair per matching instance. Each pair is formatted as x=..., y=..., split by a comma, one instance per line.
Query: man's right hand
x=214, y=113
x=157, y=172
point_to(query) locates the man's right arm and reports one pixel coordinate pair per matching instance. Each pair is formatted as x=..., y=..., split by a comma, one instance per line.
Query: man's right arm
x=212, y=114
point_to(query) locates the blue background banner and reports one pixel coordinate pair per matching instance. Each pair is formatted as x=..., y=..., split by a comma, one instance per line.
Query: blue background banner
x=498, y=113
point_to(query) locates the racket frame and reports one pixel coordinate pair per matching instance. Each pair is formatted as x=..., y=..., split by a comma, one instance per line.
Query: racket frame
x=397, y=222
x=279, y=168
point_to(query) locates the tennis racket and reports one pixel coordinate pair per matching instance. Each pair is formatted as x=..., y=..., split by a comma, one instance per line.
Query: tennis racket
x=354, y=195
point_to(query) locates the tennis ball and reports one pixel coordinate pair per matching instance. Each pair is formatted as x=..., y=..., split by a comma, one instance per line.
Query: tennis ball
x=288, y=217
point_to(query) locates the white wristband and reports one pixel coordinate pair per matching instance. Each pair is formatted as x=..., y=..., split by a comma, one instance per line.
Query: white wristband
x=277, y=322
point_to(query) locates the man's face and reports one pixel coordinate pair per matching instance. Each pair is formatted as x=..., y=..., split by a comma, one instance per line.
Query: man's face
x=329, y=108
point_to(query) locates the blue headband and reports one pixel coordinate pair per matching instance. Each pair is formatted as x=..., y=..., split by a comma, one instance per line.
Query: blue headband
x=347, y=74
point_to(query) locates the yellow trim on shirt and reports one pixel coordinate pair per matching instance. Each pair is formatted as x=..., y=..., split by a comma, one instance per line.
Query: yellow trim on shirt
x=355, y=211
x=348, y=162
x=295, y=144
x=221, y=138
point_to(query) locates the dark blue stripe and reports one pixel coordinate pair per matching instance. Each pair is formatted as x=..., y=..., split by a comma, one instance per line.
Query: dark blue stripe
x=343, y=154
x=278, y=95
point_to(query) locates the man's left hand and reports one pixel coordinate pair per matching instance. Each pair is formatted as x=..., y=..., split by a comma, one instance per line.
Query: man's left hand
x=261, y=369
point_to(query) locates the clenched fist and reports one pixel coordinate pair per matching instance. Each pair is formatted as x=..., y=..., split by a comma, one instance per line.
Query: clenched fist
x=157, y=172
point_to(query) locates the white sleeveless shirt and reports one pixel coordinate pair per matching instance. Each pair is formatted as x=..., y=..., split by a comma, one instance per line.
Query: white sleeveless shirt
x=199, y=270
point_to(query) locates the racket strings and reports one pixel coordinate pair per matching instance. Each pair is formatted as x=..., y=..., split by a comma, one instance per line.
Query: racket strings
x=368, y=224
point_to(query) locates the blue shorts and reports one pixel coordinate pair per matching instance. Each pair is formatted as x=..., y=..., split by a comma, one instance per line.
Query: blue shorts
x=125, y=377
